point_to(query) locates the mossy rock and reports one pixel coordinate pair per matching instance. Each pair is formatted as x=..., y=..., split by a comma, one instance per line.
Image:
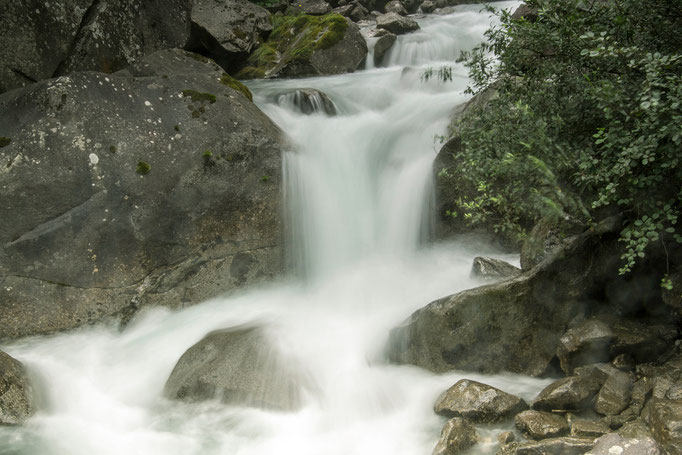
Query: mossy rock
x=297, y=42
x=143, y=168
x=5, y=141
x=199, y=97
x=231, y=82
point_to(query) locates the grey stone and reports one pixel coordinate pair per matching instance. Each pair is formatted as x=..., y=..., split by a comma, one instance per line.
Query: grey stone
x=635, y=429
x=613, y=443
x=546, y=237
x=84, y=235
x=514, y=325
x=307, y=101
x=428, y=6
x=587, y=428
x=615, y=394
x=382, y=46
x=602, y=338
x=665, y=422
x=411, y=5
x=40, y=40
x=541, y=425
x=228, y=30
x=344, y=10
x=506, y=438
x=457, y=435
x=311, y=7
x=478, y=402
x=395, y=6
x=396, y=24
x=16, y=396
x=571, y=393
x=359, y=13
x=553, y=446
x=493, y=269
x=239, y=366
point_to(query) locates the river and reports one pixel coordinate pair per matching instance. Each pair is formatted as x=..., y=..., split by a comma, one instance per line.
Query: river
x=358, y=187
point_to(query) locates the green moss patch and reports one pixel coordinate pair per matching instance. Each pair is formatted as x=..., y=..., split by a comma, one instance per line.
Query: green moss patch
x=143, y=168
x=231, y=82
x=198, y=97
x=294, y=38
x=4, y=141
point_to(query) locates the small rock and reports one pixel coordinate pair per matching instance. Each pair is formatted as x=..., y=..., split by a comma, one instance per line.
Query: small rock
x=307, y=101
x=665, y=422
x=573, y=392
x=15, y=392
x=493, y=269
x=396, y=24
x=310, y=7
x=554, y=446
x=506, y=438
x=624, y=362
x=394, y=6
x=457, y=435
x=588, y=428
x=344, y=10
x=614, y=444
x=428, y=7
x=615, y=394
x=382, y=46
x=541, y=425
x=635, y=429
x=479, y=402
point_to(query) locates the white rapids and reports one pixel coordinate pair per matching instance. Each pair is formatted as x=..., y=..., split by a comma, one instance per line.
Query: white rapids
x=358, y=188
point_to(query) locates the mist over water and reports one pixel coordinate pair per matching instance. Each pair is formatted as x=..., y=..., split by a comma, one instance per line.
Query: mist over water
x=357, y=189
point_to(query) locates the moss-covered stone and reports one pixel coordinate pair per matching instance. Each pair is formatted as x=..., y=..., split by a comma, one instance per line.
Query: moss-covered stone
x=4, y=141
x=231, y=82
x=143, y=168
x=198, y=97
x=294, y=38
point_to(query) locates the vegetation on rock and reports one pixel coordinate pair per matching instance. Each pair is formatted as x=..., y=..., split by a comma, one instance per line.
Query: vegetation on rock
x=587, y=120
x=231, y=82
x=294, y=38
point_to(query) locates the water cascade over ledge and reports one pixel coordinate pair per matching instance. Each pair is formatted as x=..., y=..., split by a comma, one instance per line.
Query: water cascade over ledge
x=358, y=188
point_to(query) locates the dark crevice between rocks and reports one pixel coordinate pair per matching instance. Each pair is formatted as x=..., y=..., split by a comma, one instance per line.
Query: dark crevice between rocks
x=203, y=43
x=88, y=17
x=20, y=73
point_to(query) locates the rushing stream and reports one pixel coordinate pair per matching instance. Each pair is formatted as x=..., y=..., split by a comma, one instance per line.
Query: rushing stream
x=358, y=188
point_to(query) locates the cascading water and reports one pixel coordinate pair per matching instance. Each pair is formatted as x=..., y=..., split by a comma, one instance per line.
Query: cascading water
x=358, y=187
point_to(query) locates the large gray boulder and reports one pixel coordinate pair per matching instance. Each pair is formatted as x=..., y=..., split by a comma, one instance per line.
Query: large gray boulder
x=457, y=435
x=514, y=325
x=15, y=392
x=478, y=402
x=397, y=24
x=121, y=191
x=382, y=46
x=228, y=30
x=41, y=40
x=239, y=366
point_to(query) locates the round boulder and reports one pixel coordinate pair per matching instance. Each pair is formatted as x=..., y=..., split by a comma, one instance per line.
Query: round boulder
x=478, y=402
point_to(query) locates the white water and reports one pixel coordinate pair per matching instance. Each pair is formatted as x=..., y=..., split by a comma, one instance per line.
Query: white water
x=357, y=187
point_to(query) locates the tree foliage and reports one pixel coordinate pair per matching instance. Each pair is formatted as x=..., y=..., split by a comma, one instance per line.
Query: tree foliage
x=587, y=119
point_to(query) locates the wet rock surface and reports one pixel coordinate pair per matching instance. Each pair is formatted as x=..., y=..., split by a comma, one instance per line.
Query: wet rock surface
x=396, y=23
x=16, y=396
x=478, y=402
x=541, y=425
x=240, y=366
x=457, y=435
x=571, y=393
x=492, y=269
x=551, y=446
x=612, y=443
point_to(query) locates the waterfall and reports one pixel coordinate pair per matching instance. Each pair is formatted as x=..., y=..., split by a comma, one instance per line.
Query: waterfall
x=357, y=188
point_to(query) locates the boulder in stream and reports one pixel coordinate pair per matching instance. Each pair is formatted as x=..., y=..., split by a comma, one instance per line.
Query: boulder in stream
x=571, y=393
x=305, y=45
x=457, y=435
x=15, y=392
x=552, y=446
x=478, y=402
x=397, y=24
x=239, y=366
x=493, y=269
x=382, y=46
x=541, y=425
x=159, y=185
x=307, y=101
